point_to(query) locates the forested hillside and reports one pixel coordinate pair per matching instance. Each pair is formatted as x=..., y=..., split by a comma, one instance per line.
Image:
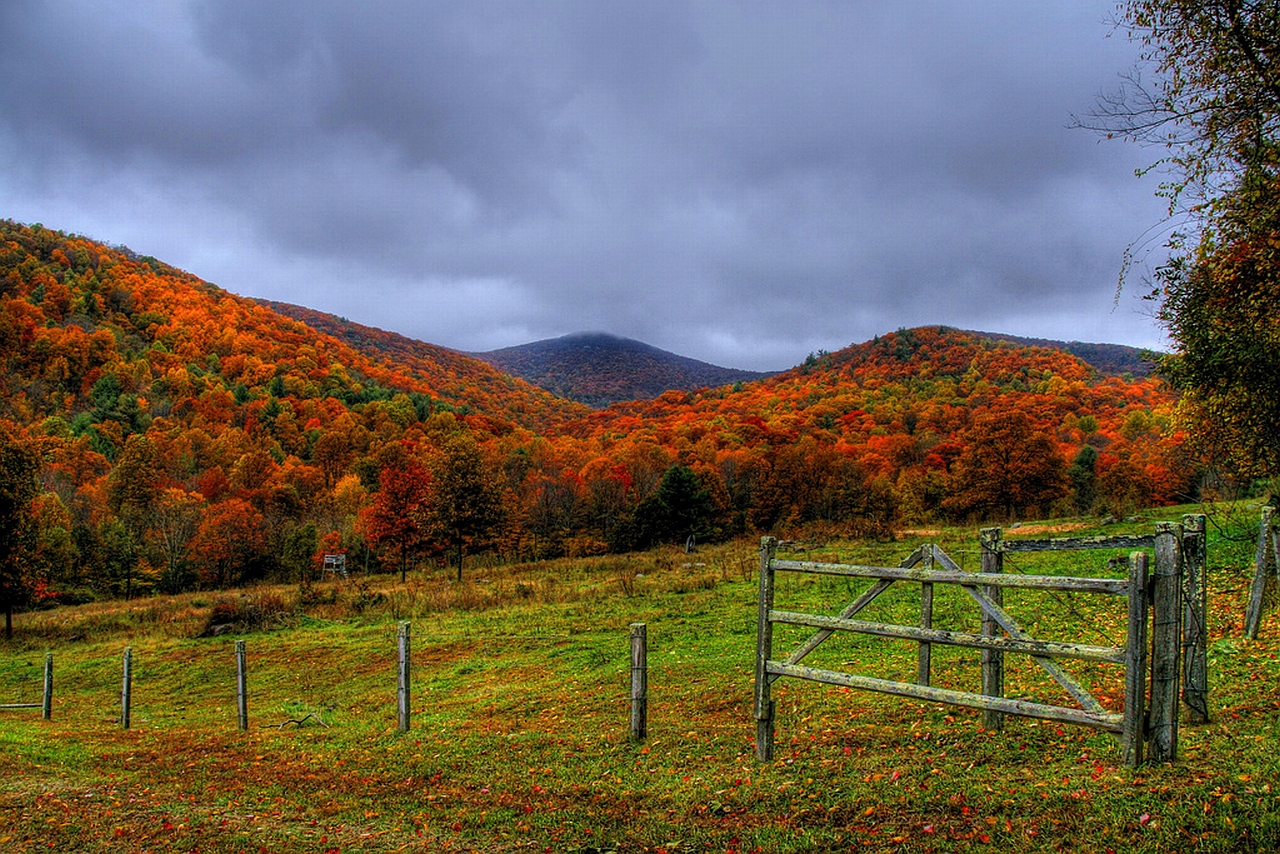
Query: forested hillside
x=190, y=437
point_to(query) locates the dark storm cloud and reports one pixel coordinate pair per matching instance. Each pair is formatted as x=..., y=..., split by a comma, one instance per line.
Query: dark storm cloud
x=738, y=182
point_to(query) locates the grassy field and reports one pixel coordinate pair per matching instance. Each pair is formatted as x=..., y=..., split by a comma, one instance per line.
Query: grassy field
x=520, y=729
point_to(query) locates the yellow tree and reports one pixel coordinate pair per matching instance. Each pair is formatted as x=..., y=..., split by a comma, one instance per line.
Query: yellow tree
x=466, y=510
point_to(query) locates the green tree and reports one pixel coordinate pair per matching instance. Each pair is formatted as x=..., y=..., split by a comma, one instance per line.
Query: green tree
x=133, y=491
x=1213, y=108
x=678, y=509
x=1222, y=309
x=19, y=470
x=466, y=511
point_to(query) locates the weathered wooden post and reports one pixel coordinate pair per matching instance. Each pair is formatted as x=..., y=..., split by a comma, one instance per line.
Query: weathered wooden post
x=991, y=540
x=1166, y=644
x=126, y=688
x=639, y=681
x=47, y=704
x=1257, y=590
x=1132, y=737
x=1195, y=622
x=924, y=654
x=764, y=706
x=403, y=691
x=242, y=686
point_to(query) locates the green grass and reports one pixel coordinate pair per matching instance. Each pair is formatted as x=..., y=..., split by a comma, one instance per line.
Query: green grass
x=519, y=738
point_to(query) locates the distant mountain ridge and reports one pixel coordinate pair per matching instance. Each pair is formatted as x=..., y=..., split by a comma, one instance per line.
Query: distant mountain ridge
x=1113, y=360
x=599, y=369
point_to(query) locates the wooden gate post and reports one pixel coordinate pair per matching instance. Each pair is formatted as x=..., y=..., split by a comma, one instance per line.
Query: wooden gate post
x=991, y=540
x=242, y=686
x=126, y=688
x=1132, y=736
x=639, y=681
x=1195, y=625
x=764, y=706
x=1166, y=644
x=1257, y=590
x=402, y=691
x=47, y=705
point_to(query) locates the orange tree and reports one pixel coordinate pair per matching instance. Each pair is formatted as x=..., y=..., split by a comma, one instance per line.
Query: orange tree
x=1007, y=466
x=395, y=518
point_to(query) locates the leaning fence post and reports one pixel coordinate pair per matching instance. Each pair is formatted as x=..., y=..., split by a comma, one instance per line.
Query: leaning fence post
x=403, y=692
x=639, y=681
x=1132, y=737
x=242, y=686
x=1253, y=614
x=764, y=706
x=126, y=688
x=1195, y=626
x=47, y=705
x=1166, y=643
x=991, y=540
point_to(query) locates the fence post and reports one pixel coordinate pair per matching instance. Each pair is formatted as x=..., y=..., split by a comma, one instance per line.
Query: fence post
x=1195, y=626
x=242, y=686
x=126, y=688
x=1253, y=614
x=764, y=706
x=1166, y=644
x=991, y=540
x=47, y=705
x=924, y=653
x=403, y=690
x=639, y=681
x=1132, y=735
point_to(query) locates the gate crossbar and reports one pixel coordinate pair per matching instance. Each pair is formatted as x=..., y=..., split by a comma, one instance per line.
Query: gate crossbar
x=1029, y=646
x=1105, y=721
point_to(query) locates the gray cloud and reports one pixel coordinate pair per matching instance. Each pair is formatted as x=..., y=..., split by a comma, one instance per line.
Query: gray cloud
x=741, y=183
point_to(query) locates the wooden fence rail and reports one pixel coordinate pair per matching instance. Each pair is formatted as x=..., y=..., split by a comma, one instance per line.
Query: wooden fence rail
x=46, y=702
x=1144, y=729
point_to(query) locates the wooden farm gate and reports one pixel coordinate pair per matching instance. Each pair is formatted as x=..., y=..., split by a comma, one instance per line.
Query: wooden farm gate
x=929, y=566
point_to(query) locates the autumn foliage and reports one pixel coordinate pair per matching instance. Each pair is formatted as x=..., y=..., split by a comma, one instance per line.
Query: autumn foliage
x=188, y=436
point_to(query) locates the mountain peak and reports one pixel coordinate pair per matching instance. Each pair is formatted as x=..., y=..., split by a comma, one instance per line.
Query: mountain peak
x=599, y=368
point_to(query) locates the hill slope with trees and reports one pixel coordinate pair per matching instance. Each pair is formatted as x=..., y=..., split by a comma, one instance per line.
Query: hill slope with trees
x=188, y=437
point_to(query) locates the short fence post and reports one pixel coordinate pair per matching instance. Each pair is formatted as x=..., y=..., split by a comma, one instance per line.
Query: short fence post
x=1166, y=644
x=47, y=705
x=1257, y=590
x=242, y=686
x=126, y=688
x=1132, y=737
x=403, y=691
x=764, y=706
x=1195, y=626
x=639, y=681
x=991, y=540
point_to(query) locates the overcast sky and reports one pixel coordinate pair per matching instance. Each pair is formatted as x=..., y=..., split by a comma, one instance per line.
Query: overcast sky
x=740, y=182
